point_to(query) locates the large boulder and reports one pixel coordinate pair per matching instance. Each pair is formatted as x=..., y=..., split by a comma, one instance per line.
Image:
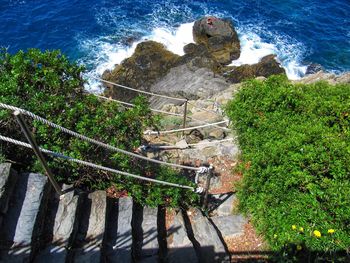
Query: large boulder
x=150, y=62
x=189, y=82
x=267, y=66
x=219, y=36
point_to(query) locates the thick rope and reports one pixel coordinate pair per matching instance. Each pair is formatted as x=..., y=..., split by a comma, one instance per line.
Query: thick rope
x=59, y=155
x=84, y=138
x=203, y=109
x=175, y=147
x=132, y=105
x=184, y=129
x=155, y=110
x=139, y=91
x=204, y=122
x=209, y=143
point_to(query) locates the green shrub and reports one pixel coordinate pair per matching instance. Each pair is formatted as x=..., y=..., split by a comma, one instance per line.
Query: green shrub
x=50, y=86
x=295, y=141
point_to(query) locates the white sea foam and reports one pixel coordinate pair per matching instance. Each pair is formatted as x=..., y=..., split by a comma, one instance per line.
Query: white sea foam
x=104, y=55
x=253, y=49
x=174, y=40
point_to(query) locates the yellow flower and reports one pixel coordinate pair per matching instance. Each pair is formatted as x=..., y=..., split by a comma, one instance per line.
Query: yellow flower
x=331, y=231
x=274, y=236
x=301, y=229
x=294, y=227
x=317, y=233
x=299, y=247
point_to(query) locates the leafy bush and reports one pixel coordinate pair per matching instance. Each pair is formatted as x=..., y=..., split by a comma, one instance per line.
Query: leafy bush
x=50, y=86
x=295, y=141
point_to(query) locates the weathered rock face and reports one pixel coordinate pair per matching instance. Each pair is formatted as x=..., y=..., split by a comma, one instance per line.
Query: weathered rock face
x=22, y=224
x=191, y=83
x=266, y=67
x=65, y=222
x=118, y=241
x=198, y=56
x=180, y=248
x=87, y=247
x=324, y=76
x=8, y=179
x=313, y=68
x=219, y=37
x=212, y=249
x=150, y=62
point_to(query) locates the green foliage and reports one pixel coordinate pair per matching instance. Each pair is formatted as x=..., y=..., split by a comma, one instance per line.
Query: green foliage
x=47, y=84
x=295, y=141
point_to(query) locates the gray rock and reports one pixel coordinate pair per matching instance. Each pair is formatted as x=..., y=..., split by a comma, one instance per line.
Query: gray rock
x=203, y=151
x=64, y=227
x=230, y=226
x=219, y=36
x=65, y=217
x=8, y=178
x=313, y=68
x=121, y=247
x=223, y=204
x=91, y=229
x=212, y=249
x=180, y=248
x=150, y=246
x=24, y=218
x=192, y=83
x=324, y=76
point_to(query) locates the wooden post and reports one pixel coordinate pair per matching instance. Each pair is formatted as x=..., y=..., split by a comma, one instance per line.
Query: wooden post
x=207, y=186
x=185, y=118
x=38, y=153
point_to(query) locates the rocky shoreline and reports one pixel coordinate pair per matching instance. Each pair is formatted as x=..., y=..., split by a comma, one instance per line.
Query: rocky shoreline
x=201, y=72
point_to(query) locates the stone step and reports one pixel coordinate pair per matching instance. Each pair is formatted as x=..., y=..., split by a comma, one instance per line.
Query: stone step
x=88, y=242
x=221, y=210
x=8, y=179
x=230, y=226
x=118, y=244
x=180, y=248
x=63, y=212
x=23, y=222
x=145, y=229
x=212, y=248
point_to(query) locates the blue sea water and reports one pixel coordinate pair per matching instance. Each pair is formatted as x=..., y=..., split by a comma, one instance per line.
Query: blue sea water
x=100, y=33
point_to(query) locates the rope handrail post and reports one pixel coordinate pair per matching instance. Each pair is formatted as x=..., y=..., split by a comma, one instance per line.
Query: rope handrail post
x=207, y=186
x=30, y=138
x=185, y=118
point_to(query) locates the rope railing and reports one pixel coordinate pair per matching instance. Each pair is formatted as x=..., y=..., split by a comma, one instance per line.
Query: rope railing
x=184, y=129
x=90, y=140
x=96, y=166
x=132, y=105
x=203, y=109
x=162, y=96
x=155, y=110
x=204, y=122
x=139, y=91
x=209, y=143
x=185, y=146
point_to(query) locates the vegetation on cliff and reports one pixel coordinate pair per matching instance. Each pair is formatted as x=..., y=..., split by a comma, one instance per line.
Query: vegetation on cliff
x=50, y=86
x=295, y=141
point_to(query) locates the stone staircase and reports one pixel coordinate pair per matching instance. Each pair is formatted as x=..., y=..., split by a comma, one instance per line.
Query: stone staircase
x=38, y=226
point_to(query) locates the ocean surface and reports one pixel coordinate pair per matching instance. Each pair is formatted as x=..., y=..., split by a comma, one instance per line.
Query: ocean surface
x=101, y=33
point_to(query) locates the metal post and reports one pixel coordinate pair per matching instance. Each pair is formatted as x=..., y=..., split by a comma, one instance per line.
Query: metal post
x=185, y=118
x=38, y=153
x=207, y=186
